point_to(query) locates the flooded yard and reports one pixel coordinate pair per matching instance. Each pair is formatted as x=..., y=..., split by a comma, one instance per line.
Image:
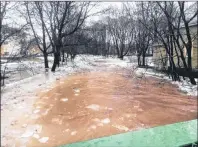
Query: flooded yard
x=95, y=104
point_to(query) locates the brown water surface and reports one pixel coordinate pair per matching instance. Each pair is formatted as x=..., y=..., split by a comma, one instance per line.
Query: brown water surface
x=95, y=104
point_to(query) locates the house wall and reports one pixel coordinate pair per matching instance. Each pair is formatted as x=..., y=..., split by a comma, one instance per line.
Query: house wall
x=159, y=56
x=11, y=48
x=195, y=55
x=158, y=51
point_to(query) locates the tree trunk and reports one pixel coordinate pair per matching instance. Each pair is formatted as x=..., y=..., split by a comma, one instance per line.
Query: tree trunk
x=192, y=80
x=121, y=57
x=139, y=62
x=46, y=60
x=63, y=57
x=143, y=58
x=56, y=62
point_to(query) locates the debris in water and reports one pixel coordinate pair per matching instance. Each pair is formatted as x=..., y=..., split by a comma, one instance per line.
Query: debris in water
x=43, y=139
x=119, y=127
x=64, y=99
x=106, y=121
x=73, y=133
x=93, y=107
x=67, y=130
x=76, y=90
x=76, y=94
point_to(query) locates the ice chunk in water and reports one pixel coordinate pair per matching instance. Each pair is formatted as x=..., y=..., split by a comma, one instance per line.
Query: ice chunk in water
x=76, y=90
x=106, y=121
x=43, y=139
x=73, y=133
x=93, y=107
x=64, y=99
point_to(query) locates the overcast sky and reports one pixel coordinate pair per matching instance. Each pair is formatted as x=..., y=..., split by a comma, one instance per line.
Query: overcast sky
x=101, y=6
x=13, y=15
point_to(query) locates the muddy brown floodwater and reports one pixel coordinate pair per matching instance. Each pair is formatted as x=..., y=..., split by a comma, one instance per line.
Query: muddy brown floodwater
x=95, y=104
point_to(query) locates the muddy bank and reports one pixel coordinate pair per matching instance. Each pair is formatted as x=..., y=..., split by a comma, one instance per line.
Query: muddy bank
x=95, y=104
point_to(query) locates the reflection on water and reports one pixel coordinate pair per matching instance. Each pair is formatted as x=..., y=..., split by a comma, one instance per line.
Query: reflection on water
x=96, y=104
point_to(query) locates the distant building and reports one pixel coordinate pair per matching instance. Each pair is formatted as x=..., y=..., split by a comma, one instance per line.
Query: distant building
x=10, y=48
x=160, y=57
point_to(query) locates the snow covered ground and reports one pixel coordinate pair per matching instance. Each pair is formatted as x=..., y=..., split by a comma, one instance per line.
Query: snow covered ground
x=30, y=70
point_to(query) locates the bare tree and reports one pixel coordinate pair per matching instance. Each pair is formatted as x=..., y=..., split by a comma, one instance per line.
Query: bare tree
x=121, y=29
x=177, y=37
x=9, y=30
x=36, y=18
x=65, y=18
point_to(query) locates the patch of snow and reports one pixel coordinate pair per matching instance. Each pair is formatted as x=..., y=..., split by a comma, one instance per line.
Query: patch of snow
x=36, y=136
x=36, y=111
x=27, y=134
x=38, y=128
x=43, y=139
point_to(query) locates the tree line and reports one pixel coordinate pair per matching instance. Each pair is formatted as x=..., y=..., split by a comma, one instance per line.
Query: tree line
x=60, y=28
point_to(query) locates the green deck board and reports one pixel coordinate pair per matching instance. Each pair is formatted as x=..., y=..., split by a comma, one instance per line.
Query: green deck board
x=172, y=135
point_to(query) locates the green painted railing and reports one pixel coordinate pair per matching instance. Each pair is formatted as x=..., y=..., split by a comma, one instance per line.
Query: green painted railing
x=173, y=135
